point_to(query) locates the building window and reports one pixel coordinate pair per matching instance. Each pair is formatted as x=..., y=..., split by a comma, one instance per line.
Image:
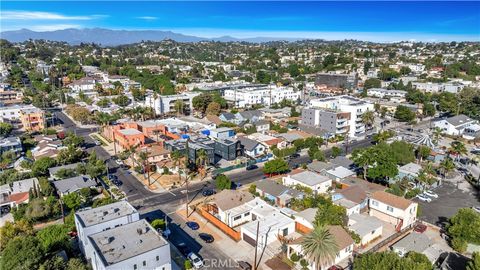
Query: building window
x=389, y=208
x=144, y=263
x=373, y=232
x=158, y=258
x=135, y=267
x=237, y=217
x=247, y=214
x=375, y=203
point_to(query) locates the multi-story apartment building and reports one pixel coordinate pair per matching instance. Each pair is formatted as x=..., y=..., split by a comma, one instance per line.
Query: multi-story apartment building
x=346, y=81
x=103, y=218
x=32, y=119
x=265, y=95
x=336, y=113
x=113, y=237
x=330, y=121
x=26, y=117
x=166, y=104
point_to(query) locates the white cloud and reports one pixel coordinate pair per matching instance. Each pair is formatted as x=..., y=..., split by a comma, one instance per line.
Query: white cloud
x=39, y=15
x=147, y=18
x=53, y=27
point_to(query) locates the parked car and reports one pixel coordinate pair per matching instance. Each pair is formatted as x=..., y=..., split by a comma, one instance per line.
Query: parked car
x=430, y=194
x=196, y=261
x=192, y=225
x=119, y=162
x=208, y=192
x=183, y=248
x=420, y=228
x=208, y=238
x=97, y=143
x=236, y=185
x=294, y=155
x=251, y=167
x=244, y=265
x=424, y=198
x=117, y=182
x=476, y=208
x=112, y=177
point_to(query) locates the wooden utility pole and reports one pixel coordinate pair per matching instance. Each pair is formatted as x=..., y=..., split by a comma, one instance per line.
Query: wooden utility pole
x=256, y=247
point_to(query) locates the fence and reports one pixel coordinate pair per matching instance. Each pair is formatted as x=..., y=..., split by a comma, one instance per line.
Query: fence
x=235, y=235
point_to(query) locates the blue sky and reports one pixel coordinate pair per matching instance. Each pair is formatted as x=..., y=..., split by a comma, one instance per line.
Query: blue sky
x=376, y=21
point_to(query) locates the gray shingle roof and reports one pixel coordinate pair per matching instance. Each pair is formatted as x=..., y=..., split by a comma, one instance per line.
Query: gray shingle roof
x=73, y=184
x=458, y=120
x=247, y=143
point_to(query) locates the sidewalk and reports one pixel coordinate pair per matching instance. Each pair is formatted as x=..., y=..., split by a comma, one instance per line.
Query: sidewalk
x=239, y=251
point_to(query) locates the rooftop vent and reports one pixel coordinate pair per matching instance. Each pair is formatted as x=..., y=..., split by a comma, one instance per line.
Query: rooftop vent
x=105, y=213
x=139, y=231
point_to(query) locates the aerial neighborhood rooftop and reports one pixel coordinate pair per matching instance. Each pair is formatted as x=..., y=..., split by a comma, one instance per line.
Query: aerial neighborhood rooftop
x=183, y=152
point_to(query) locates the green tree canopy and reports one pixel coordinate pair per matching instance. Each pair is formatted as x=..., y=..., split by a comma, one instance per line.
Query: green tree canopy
x=24, y=252
x=54, y=237
x=223, y=182
x=404, y=114
x=275, y=166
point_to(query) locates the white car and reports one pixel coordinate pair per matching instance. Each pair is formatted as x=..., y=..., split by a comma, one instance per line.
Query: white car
x=424, y=198
x=430, y=194
x=476, y=208
x=119, y=162
x=196, y=261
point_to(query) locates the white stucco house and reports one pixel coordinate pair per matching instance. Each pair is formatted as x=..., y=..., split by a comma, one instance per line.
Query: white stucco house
x=456, y=125
x=367, y=227
x=316, y=182
x=395, y=210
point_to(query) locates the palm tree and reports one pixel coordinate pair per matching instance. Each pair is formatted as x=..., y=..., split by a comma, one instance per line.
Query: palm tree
x=177, y=160
x=368, y=118
x=320, y=247
x=447, y=165
x=436, y=135
x=457, y=148
x=179, y=106
x=363, y=157
x=143, y=156
x=202, y=157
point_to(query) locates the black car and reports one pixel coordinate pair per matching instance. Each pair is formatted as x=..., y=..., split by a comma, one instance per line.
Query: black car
x=117, y=182
x=208, y=238
x=208, y=192
x=252, y=167
x=183, y=248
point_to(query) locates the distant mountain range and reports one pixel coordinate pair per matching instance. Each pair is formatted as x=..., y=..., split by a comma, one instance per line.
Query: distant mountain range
x=107, y=37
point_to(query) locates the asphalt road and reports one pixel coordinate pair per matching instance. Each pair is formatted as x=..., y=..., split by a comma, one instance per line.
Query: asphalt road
x=155, y=205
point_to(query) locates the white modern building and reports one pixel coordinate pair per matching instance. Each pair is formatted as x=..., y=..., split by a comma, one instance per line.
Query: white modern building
x=456, y=125
x=383, y=93
x=166, y=104
x=91, y=221
x=136, y=245
x=264, y=95
x=346, y=104
x=85, y=85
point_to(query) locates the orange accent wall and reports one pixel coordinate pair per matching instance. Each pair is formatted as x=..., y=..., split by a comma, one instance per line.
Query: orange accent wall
x=302, y=228
x=232, y=233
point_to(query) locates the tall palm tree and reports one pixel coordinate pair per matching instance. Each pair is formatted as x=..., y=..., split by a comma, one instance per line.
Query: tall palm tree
x=202, y=157
x=436, y=135
x=177, y=160
x=179, y=106
x=320, y=247
x=368, y=118
x=363, y=157
x=447, y=165
x=143, y=156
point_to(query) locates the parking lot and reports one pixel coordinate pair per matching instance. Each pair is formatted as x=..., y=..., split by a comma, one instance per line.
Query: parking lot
x=451, y=198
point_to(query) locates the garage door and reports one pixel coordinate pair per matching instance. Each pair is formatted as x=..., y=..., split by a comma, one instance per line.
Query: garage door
x=249, y=239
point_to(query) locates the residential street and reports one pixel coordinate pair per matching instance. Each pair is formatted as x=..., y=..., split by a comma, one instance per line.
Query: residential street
x=156, y=205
